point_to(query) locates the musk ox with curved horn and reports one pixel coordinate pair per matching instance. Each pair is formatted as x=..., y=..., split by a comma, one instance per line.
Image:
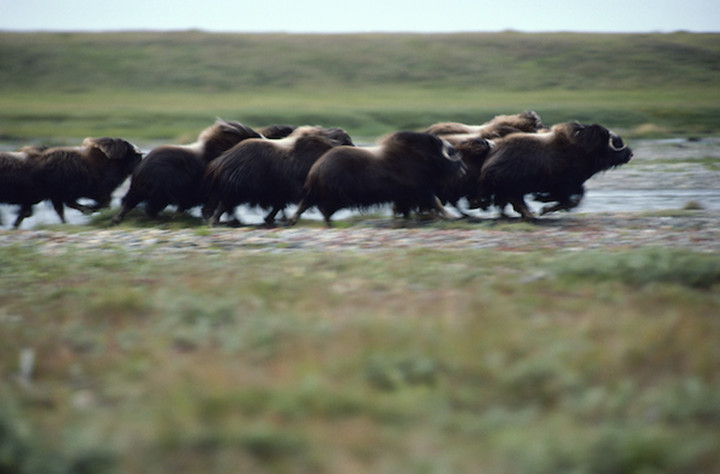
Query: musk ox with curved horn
x=405, y=169
x=17, y=183
x=553, y=166
x=172, y=174
x=499, y=126
x=266, y=173
x=93, y=171
x=473, y=151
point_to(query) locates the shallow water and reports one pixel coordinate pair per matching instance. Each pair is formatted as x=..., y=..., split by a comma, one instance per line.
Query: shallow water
x=664, y=174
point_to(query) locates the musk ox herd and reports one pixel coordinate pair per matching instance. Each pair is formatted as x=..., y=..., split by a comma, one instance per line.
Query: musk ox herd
x=493, y=164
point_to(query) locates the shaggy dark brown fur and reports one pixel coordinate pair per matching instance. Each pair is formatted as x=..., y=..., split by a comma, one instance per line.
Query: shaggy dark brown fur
x=275, y=132
x=17, y=184
x=473, y=151
x=499, y=126
x=172, y=174
x=266, y=173
x=552, y=165
x=93, y=171
x=406, y=169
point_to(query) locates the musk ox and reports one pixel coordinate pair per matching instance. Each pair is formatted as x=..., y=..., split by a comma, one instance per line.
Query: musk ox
x=499, y=126
x=93, y=171
x=17, y=182
x=405, y=169
x=552, y=166
x=266, y=173
x=473, y=151
x=172, y=174
x=472, y=143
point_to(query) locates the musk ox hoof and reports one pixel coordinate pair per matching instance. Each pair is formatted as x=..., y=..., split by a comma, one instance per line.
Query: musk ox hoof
x=550, y=209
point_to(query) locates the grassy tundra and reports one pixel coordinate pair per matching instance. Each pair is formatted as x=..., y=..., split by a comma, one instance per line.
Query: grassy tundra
x=395, y=361
x=152, y=87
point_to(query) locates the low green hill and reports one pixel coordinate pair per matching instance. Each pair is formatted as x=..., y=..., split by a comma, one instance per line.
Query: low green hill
x=166, y=85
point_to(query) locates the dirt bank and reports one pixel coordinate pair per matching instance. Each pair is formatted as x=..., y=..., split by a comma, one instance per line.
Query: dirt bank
x=693, y=230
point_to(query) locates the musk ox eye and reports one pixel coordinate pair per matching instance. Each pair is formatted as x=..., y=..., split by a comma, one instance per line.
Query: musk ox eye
x=616, y=143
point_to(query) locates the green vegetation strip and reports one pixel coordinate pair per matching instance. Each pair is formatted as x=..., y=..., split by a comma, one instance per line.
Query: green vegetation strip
x=406, y=360
x=151, y=87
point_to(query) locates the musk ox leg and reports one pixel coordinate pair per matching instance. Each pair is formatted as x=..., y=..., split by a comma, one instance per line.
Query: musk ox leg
x=501, y=203
x=154, y=208
x=302, y=207
x=563, y=205
x=327, y=214
x=518, y=203
x=219, y=211
x=25, y=211
x=270, y=218
x=101, y=203
x=59, y=207
x=440, y=210
x=129, y=202
x=210, y=206
x=80, y=207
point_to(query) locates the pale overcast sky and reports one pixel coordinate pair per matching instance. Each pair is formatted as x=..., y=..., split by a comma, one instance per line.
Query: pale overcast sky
x=335, y=16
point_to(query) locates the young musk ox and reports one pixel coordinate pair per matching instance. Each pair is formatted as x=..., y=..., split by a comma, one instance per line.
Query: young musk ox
x=17, y=184
x=406, y=169
x=499, y=126
x=552, y=166
x=172, y=174
x=93, y=171
x=266, y=173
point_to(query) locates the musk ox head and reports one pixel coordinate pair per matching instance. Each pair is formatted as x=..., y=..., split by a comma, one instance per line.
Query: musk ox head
x=603, y=148
x=423, y=149
x=116, y=151
x=221, y=136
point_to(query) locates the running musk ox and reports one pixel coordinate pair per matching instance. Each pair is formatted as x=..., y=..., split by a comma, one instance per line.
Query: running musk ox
x=473, y=151
x=93, y=171
x=499, y=126
x=406, y=169
x=17, y=184
x=552, y=166
x=472, y=143
x=266, y=173
x=172, y=174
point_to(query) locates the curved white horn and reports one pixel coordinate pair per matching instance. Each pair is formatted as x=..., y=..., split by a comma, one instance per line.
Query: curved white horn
x=612, y=145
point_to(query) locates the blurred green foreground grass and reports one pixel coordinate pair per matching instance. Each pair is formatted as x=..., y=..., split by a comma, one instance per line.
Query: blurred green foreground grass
x=397, y=361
